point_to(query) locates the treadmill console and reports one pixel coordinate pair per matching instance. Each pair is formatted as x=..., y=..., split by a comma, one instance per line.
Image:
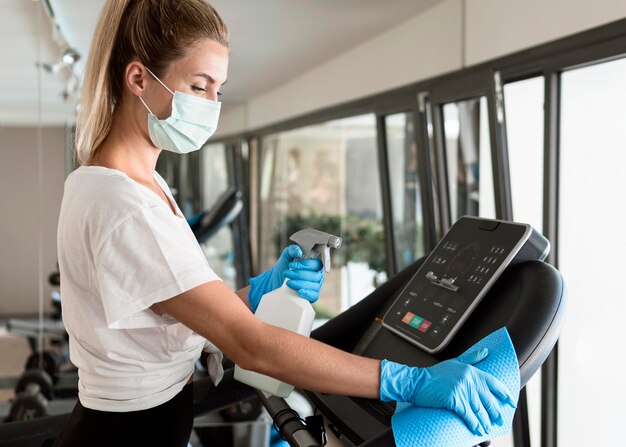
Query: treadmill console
x=438, y=299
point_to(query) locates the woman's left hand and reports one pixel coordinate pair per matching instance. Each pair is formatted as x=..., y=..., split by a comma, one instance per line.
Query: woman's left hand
x=305, y=276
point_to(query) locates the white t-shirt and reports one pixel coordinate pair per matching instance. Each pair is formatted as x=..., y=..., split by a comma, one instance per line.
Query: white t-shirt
x=122, y=249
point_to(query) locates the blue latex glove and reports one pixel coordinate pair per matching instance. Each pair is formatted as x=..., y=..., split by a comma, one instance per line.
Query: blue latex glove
x=305, y=276
x=453, y=385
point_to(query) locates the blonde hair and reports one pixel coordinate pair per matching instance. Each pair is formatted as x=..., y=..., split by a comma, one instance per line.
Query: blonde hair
x=154, y=32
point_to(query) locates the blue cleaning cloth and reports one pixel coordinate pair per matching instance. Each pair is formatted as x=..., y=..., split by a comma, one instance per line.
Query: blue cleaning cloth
x=420, y=426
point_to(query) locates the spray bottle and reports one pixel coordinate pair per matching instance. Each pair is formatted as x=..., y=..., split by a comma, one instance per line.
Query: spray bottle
x=284, y=308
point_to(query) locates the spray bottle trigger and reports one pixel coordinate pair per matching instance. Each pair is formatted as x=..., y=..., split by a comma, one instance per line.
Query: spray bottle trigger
x=326, y=259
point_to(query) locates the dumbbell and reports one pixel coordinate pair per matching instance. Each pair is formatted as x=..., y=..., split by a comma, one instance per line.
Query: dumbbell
x=49, y=361
x=28, y=404
x=37, y=377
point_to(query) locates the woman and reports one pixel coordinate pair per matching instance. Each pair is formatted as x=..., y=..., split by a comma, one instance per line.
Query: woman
x=140, y=301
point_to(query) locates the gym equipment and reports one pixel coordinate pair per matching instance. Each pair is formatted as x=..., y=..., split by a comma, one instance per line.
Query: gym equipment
x=456, y=276
x=38, y=377
x=47, y=360
x=28, y=404
x=528, y=298
x=222, y=213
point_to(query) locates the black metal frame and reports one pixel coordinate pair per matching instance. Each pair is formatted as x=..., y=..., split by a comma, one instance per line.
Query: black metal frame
x=385, y=183
x=427, y=179
x=549, y=370
x=238, y=168
x=548, y=60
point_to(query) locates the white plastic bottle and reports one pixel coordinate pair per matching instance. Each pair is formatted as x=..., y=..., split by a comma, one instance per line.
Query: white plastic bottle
x=284, y=308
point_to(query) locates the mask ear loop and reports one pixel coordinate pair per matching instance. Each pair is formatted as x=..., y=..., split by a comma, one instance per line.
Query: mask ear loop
x=160, y=82
x=146, y=106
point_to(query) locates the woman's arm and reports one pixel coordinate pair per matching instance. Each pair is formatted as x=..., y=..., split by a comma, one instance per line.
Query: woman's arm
x=211, y=311
x=243, y=295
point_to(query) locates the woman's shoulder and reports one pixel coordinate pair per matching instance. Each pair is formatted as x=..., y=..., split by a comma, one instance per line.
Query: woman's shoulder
x=100, y=188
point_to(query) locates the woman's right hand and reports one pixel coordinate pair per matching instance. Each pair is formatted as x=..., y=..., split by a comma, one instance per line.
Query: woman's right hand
x=453, y=385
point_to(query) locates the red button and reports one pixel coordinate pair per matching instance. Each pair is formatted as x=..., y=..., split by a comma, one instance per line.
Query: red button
x=424, y=326
x=408, y=317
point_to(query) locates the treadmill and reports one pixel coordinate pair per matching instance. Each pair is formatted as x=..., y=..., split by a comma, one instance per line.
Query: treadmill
x=483, y=275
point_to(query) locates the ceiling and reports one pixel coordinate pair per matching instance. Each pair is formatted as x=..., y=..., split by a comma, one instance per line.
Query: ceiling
x=272, y=41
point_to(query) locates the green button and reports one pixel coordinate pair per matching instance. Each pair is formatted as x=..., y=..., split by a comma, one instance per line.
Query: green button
x=416, y=322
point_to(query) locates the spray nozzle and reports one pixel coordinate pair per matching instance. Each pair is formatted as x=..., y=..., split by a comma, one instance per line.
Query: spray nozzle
x=316, y=244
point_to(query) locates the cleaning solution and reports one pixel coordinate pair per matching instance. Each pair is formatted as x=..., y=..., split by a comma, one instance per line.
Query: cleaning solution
x=284, y=308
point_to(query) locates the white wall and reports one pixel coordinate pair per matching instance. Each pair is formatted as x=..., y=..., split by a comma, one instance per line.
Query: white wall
x=20, y=218
x=498, y=27
x=449, y=36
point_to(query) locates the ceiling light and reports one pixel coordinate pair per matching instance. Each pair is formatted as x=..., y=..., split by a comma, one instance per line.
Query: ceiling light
x=70, y=56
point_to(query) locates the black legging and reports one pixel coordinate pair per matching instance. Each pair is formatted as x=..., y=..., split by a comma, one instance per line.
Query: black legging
x=168, y=425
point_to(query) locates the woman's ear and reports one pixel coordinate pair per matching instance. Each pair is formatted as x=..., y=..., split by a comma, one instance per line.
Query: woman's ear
x=135, y=77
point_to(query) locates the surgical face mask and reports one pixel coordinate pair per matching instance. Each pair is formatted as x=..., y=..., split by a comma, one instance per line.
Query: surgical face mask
x=191, y=124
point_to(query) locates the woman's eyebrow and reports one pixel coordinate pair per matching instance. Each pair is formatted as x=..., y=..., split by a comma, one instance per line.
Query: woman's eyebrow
x=209, y=78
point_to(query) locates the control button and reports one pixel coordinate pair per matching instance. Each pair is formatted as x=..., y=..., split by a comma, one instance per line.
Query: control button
x=439, y=260
x=445, y=320
x=448, y=282
x=450, y=246
x=407, y=302
x=437, y=304
x=408, y=317
x=416, y=322
x=450, y=310
x=436, y=331
x=424, y=326
x=477, y=279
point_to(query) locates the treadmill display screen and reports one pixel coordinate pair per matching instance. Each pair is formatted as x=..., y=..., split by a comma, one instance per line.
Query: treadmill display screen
x=453, y=279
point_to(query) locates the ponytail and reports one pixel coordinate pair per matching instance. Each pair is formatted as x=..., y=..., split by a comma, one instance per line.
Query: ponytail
x=95, y=113
x=154, y=32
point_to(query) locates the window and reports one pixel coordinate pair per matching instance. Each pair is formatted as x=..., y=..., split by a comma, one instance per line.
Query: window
x=591, y=254
x=406, y=201
x=523, y=101
x=468, y=159
x=326, y=176
x=213, y=182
